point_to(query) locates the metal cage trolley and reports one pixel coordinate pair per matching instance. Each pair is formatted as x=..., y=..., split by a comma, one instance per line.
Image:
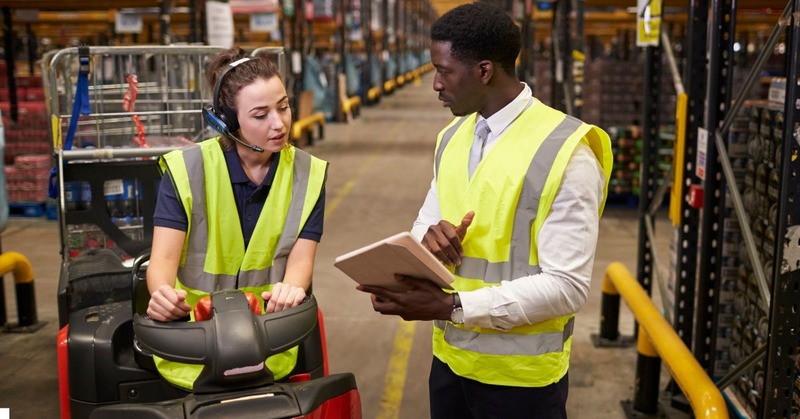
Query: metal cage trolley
x=113, y=111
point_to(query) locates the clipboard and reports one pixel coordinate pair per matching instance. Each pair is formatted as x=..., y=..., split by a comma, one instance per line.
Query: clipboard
x=377, y=263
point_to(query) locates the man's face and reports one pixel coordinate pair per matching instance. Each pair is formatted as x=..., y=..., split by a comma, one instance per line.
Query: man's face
x=458, y=83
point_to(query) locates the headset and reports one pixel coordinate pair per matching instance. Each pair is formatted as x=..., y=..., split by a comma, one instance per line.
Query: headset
x=222, y=118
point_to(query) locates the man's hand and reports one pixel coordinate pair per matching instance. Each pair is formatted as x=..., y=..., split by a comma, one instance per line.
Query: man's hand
x=168, y=304
x=444, y=239
x=424, y=301
x=283, y=296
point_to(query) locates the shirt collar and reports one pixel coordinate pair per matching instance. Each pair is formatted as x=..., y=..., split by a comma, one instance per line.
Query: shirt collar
x=501, y=119
x=236, y=171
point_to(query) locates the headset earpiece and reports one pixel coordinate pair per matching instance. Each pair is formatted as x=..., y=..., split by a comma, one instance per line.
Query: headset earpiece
x=214, y=121
x=228, y=115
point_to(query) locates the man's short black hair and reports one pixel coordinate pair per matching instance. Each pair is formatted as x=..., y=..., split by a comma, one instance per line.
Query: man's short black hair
x=479, y=31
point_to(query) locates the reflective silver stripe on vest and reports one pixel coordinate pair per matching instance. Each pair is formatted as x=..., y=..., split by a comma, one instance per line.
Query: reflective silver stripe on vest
x=527, y=206
x=192, y=274
x=506, y=343
x=492, y=273
x=301, y=174
x=446, y=137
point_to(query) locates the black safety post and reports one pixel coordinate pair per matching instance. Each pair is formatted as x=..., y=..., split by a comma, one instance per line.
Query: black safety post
x=24, y=291
x=26, y=303
x=609, y=316
x=609, y=335
x=648, y=369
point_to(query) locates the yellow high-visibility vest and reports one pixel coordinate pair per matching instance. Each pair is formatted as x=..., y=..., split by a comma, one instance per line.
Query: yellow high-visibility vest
x=214, y=256
x=511, y=192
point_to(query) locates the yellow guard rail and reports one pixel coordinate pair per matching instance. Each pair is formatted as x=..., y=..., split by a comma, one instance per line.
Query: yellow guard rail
x=703, y=395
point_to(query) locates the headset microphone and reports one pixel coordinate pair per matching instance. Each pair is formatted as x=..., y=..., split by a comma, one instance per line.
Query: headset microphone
x=255, y=148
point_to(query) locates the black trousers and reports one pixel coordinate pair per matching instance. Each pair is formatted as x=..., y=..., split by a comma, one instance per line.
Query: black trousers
x=455, y=397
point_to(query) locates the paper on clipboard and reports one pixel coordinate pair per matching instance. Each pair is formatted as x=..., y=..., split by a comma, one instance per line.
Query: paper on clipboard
x=377, y=263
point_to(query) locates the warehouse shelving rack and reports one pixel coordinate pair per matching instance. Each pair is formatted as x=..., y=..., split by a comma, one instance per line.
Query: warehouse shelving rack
x=784, y=316
x=698, y=268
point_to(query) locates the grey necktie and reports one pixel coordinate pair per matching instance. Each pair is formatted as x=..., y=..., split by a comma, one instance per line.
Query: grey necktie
x=476, y=152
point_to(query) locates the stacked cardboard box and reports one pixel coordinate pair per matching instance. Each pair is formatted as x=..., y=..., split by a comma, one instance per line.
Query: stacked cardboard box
x=28, y=134
x=27, y=146
x=626, y=148
x=28, y=178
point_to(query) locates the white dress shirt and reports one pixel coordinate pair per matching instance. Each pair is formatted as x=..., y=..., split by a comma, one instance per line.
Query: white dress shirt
x=566, y=243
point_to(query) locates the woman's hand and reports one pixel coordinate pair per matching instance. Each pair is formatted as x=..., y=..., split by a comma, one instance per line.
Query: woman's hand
x=283, y=296
x=168, y=304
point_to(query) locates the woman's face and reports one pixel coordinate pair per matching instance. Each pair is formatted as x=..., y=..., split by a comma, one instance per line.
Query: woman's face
x=264, y=114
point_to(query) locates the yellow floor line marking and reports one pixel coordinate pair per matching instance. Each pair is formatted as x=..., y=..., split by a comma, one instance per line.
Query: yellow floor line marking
x=339, y=197
x=404, y=337
x=396, y=371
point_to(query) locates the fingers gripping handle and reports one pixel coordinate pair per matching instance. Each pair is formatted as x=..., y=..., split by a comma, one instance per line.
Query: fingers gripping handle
x=234, y=339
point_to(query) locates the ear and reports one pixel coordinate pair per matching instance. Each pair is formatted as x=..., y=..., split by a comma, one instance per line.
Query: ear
x=485, y=70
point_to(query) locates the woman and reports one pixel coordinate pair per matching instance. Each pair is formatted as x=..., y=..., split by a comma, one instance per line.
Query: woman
x=239, y=211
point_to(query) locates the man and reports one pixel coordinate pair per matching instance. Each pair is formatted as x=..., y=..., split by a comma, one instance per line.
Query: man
x=514, y=209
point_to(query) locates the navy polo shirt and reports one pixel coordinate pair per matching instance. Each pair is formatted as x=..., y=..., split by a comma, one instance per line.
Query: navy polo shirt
x=250, y=199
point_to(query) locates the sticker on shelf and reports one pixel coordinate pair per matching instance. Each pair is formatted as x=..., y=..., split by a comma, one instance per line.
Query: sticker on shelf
x=791, y=252
x=113, y=187
x=702, y=152
x=648, y=23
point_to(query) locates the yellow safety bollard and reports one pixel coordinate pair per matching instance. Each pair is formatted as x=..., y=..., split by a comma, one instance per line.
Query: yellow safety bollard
x=17, y=264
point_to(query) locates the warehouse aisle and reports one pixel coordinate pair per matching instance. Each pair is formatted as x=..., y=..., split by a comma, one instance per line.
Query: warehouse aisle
x=380, y=170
